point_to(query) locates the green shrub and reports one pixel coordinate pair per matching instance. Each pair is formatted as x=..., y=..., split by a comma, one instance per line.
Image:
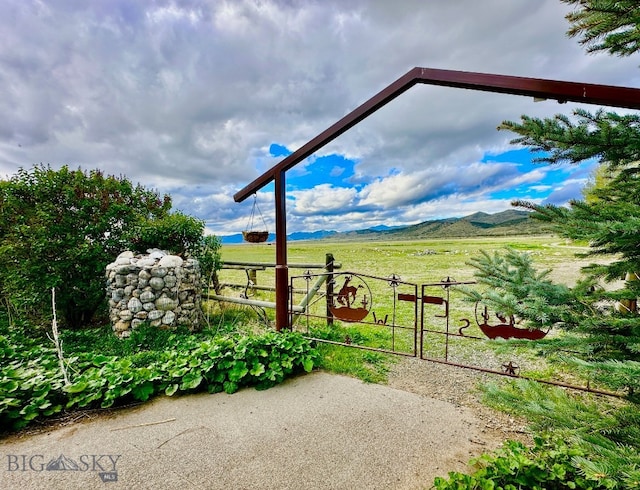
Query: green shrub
x=176, y=233
x=581, y=443
x=31, y=386
x=60, y=229
x=208, y=254
x=548, y=465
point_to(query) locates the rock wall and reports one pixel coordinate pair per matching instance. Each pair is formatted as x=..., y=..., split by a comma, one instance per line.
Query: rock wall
x=162, y=289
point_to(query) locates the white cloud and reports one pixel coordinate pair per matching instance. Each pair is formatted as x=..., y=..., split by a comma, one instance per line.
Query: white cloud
x=433, y=183
x=321, y=199
x=188, y=95
x=540, y=188
x=568, y=190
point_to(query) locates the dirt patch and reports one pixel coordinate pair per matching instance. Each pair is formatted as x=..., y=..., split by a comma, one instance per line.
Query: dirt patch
x=460, y=387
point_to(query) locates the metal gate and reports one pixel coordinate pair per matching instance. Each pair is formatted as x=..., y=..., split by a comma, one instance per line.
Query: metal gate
x=359, y=310
x=387, y=314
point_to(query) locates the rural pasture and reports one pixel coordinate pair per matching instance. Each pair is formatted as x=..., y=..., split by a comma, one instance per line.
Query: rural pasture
x=413, y=263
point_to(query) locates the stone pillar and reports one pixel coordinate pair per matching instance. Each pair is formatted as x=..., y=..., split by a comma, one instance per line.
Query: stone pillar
x=159, y=288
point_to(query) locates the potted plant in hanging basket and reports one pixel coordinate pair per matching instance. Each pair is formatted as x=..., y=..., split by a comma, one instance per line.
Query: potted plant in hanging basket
x=255, y=236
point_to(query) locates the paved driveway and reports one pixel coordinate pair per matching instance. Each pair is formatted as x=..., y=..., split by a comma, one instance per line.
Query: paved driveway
x=317, y=431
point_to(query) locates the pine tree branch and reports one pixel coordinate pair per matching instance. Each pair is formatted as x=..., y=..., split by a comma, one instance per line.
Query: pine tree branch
x=606, y=25
x=606, y=136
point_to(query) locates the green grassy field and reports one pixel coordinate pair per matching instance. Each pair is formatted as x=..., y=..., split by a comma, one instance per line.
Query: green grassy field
x=415, y=263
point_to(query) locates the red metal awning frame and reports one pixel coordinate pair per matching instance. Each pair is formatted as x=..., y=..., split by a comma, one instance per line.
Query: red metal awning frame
x=587, y=93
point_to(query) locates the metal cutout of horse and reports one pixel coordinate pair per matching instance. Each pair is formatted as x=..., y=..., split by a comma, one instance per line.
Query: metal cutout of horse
x=342, y=303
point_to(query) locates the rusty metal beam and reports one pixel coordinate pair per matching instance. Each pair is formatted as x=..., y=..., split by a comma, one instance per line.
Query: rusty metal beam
x=282, y=269
x=534, y=87
x=585, y=93
x=561, y=91
x=398, y=87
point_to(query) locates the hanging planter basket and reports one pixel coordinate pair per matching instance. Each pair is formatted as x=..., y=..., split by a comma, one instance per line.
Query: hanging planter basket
x=253, y=236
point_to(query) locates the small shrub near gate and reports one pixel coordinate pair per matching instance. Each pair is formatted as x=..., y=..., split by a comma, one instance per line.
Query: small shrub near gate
x=547, y=465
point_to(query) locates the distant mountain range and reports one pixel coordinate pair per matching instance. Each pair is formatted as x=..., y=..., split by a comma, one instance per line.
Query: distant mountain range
x=510, y=222
x=300, y=235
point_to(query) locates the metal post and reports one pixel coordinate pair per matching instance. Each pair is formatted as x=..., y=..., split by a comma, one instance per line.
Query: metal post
x=282, y=272
x=329, y=297
x=252, y=276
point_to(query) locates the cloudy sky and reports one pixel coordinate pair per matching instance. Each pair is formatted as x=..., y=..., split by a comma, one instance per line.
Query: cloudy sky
x=196, y=98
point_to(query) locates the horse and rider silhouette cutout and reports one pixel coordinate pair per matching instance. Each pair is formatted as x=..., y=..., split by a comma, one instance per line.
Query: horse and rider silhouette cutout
x=343, y=305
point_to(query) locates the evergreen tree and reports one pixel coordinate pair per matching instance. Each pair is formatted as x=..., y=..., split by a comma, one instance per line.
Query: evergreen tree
x=606, y=25
x=608, y=218
x=604, y=443
x=516, y=290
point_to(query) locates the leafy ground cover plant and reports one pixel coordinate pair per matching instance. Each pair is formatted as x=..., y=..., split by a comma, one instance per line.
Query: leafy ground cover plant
x=31, y=385
x=548, y=465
